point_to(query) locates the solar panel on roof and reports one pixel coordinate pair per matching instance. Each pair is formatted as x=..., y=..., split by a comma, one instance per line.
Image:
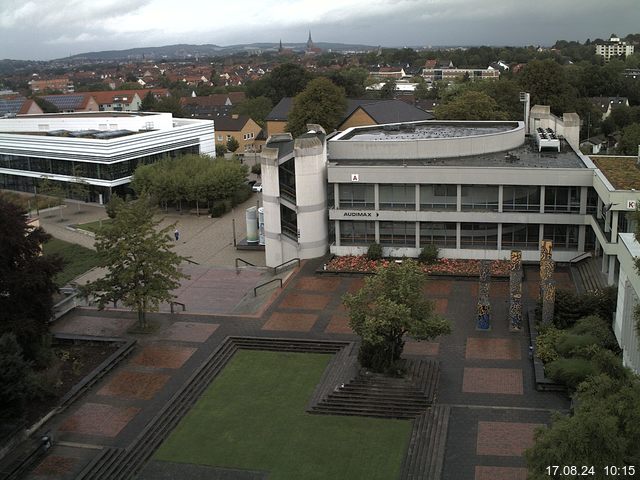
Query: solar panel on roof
x=66, y=102
x=11, y=106
x=112, y=134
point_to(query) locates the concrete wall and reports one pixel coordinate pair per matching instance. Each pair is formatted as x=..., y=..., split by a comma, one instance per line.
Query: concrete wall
x=274, y=254
x=429, y=147
x=358, y=118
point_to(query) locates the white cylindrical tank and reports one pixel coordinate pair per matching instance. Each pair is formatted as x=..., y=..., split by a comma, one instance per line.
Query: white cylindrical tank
x=261, y=226
x=252, y=224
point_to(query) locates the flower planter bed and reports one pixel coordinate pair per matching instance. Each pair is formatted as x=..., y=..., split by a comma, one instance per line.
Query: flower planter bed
x=350, y=264
x=543, y=383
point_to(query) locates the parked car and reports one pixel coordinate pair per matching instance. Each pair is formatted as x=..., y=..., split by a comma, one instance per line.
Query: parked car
x=257, y=187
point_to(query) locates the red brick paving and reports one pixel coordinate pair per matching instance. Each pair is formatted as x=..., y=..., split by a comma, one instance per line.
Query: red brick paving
x=438, y=288
x=500, y=473
x=532, y=290
x=293, y=322
x=190, y=331
x=422, y=348
x=563, y=281
x=493, y=380
x=55, y=465
x=338, y=324
x=356, y=284
x=99, y=419
x=163, y=356
x=93, y=326
x=493, y=348
x=137, y=385
x=496, y=289
x=318, y=284
x=505, y=439
x=306, y=302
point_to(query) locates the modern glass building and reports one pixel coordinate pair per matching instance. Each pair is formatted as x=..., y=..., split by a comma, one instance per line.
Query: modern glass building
x=102, y=149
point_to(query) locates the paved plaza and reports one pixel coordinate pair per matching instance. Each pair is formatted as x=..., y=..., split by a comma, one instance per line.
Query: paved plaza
x=486, y=377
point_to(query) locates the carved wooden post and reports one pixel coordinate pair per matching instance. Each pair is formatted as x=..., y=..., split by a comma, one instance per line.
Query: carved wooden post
x=483, y=321
x=548, y=301
x=515, y=291
x=547, y=265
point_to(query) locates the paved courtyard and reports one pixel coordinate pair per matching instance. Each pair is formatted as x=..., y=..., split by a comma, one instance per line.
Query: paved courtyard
x=486, y=377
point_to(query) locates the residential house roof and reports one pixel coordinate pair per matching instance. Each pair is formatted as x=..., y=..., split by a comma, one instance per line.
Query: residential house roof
x=14, y=105
x=605, y=103
x=215, y=100
x=71, y=101
x=232, y=123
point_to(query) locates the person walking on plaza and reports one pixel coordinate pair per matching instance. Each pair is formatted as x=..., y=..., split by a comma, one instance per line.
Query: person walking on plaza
x=176, y=234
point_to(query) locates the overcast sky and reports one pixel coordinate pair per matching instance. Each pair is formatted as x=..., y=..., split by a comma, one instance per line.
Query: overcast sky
x=46, y=29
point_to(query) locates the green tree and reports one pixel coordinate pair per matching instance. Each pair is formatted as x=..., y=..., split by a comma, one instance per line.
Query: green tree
x=17, y=384
x=547, y=83
x=26, y=280
x=422, y=91
x=232, y=144
x=388, y=90
x=352, y=79
x=255, y=108
x=142, y=268
x=630, y=140
x=286, y=80
x=389, y=306
x=470, y=105
x=171, y=105
x=603, y=429
x=321, y=102
x=148, y=103
x=220, y=150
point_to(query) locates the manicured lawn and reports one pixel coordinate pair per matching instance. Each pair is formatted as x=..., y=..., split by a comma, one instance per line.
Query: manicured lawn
x=77, y=259
x=28, y=201
x=94, y=226
x=252, y=417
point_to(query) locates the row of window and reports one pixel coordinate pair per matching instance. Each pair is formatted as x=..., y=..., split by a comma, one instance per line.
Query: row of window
x=473, y=197
x=102, y=171
x=443, y=235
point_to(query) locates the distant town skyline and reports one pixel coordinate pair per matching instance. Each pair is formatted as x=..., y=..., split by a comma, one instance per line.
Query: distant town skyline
x=35, y=30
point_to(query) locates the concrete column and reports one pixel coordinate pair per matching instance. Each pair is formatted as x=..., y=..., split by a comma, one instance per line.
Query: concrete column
x=515, y=291
x=417, y=234
x=500, y=233
x=377, y=231
x=459, y=199
x=548, y=301
x=336, y=196
x=583, y=200
x=376, y=198
x=582, y=234
x=417, y=197
x=614, y=226
x=612, y=270
x=540, y=233
x=599, y=209
x=542, y=191
x=337, y=231
x=500, y=198
x=458, y=229
x=483, y=318
x=605, y=260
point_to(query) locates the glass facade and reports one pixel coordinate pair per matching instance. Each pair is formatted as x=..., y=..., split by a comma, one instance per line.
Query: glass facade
x=443, y=235
x=397, y=196
x=287, y=178
x=357, y=233
x=479, y=235
x=564, y=237
x=356, y=196
x=95, y=170
x=399, y=234
x=520, y=236
x=289, y=222
x=562, y=200
x=438, y=197
x=521, y=198
x=480, y=197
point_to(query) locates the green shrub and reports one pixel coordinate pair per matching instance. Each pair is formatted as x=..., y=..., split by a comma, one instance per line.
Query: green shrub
x=17, y=385
x=257, y=169
x=597, y=327
x=429, y=254
x=610, y=364
x=568, y=344
x=570, y=307
x=571, y=371
x=217, y=209
x=241, y=195
x=545, y=344
x=374, y=252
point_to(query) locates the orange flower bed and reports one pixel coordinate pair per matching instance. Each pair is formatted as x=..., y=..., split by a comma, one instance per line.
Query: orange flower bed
x=444, y=266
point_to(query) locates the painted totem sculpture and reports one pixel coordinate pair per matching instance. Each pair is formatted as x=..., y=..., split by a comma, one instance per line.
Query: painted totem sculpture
x=515, y=291
x=483, y=320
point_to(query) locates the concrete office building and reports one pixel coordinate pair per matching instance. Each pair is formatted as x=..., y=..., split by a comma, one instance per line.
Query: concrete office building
x=101, y=148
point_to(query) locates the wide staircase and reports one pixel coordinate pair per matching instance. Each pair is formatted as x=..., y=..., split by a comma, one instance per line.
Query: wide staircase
x=376, y=395
x=587, y=275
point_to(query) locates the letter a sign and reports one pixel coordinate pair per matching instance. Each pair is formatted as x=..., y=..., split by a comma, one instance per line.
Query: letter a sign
x=355, y=177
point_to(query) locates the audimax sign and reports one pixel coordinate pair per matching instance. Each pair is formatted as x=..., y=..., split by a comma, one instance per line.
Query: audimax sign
x=360, y=214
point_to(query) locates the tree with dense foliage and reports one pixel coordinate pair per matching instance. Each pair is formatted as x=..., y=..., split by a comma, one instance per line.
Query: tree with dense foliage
x=286, y=80
x=17, y=382
x=255, y=108
x=352, y=79
x=630, y=140
x=603, y=429
x=148, y=103
x=169, y=104
x=389, y=306
x=221, y=149
x=321, y=102
x=388, y=90
x=232, y=144
x=470, y=105
x=548, y=84
x=142, y=268
x=26, y=280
